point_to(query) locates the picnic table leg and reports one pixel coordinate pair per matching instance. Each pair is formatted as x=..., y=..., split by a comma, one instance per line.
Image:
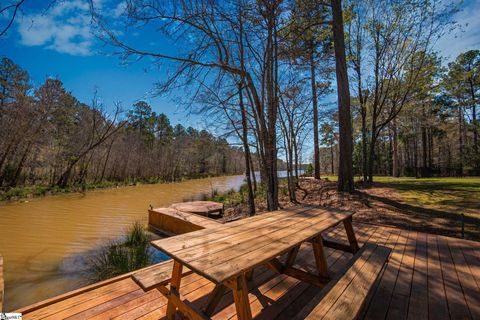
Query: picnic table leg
x=174, y=288
x=351, y=235
x=320, y=257
x=240, y=296
x=214, y=299
x=292, y=255
x=249, y=275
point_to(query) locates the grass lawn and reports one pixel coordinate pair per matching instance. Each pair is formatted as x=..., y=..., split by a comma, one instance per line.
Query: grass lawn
x=433, y=203
x=454, y=195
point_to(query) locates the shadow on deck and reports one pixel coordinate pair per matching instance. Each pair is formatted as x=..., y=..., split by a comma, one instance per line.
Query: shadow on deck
x=427, y=276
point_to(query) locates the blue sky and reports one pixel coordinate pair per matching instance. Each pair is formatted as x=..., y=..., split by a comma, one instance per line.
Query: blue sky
x=58, y=43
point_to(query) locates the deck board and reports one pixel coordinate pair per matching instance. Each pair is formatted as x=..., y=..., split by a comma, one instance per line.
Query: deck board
x=437, y=301
x=383, y=293
x=427, y=276
x=398, y=308
x=418, y=304
x=472, y=262
x=467, y=281
x=457, y=303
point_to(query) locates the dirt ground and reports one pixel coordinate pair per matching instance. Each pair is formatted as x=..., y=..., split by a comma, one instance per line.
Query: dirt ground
x=377, y=204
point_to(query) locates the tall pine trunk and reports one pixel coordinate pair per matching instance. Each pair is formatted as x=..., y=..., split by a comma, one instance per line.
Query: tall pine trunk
x=345, y=170
x=460, y=139
x=316, y=151
x=474, y=119
x=395, y=157
x=364, y=143
x=332, y=160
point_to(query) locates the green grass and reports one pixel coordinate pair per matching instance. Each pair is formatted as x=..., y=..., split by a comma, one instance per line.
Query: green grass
x=456, y=195
x=453, y=195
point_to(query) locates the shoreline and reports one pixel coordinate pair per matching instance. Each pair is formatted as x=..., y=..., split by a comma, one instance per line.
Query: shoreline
x=23, y=194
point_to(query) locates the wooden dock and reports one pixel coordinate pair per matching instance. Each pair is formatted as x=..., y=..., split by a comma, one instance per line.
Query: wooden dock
x=427, y=277
x=172, y=222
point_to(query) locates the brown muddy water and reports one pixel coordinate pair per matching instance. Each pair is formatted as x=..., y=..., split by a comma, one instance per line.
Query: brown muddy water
x=44, y=241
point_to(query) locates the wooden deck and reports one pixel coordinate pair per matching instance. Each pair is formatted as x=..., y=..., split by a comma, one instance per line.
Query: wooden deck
x=427, y=277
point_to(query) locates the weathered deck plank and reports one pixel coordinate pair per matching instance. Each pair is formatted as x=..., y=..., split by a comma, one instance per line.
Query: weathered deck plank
x=437, y=301
x=1, y=284
x=379, y=306
x=418, y=305
x=413, y=285
x=398, y=308
x=467, y=281
x=457, y=303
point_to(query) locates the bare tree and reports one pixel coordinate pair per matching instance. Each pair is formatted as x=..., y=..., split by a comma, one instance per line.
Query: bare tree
x=209, y=33
x=10, y=10
x=388, y=46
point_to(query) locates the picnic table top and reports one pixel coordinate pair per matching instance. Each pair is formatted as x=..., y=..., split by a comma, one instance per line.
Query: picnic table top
x=223, y=252
x=198, y=206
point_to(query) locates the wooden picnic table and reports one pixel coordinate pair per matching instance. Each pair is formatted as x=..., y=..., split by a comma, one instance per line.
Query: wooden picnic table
x=228, y=254
x=199, y=207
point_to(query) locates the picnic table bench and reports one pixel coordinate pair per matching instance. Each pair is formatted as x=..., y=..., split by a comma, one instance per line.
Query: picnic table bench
x=344, y=297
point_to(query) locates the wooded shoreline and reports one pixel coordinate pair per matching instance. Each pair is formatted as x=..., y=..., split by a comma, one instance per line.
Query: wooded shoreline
x=20, y=194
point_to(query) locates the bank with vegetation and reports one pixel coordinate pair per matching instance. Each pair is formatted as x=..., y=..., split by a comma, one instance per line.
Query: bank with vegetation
x=21, y=193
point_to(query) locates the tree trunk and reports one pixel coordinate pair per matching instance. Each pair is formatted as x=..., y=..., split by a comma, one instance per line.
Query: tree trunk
x=295, y=151
x=251, y=197
x=316, y=150
x=364, y=143
x=424, y=152
x=460, y=139
x=246, y=147
x=272, y=107
x=474, y=120
x=65, y=177
x=425, y=169
x=415, y=155
x=430, y=148
x=371, y=157
x=14, y=181
x=395, y=161
x=332, y=163
x=345, y=170
x=254, y=176
x=106, y=160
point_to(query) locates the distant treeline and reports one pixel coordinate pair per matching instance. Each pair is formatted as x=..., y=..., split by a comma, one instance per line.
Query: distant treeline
x=434, y=134
x=49, y=138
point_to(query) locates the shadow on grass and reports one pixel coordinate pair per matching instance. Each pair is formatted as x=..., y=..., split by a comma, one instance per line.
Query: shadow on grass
x=426, y=185
x=463, y=195
x=426, y=219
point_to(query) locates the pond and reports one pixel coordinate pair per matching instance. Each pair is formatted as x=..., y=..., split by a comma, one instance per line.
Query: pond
x=44, y=240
